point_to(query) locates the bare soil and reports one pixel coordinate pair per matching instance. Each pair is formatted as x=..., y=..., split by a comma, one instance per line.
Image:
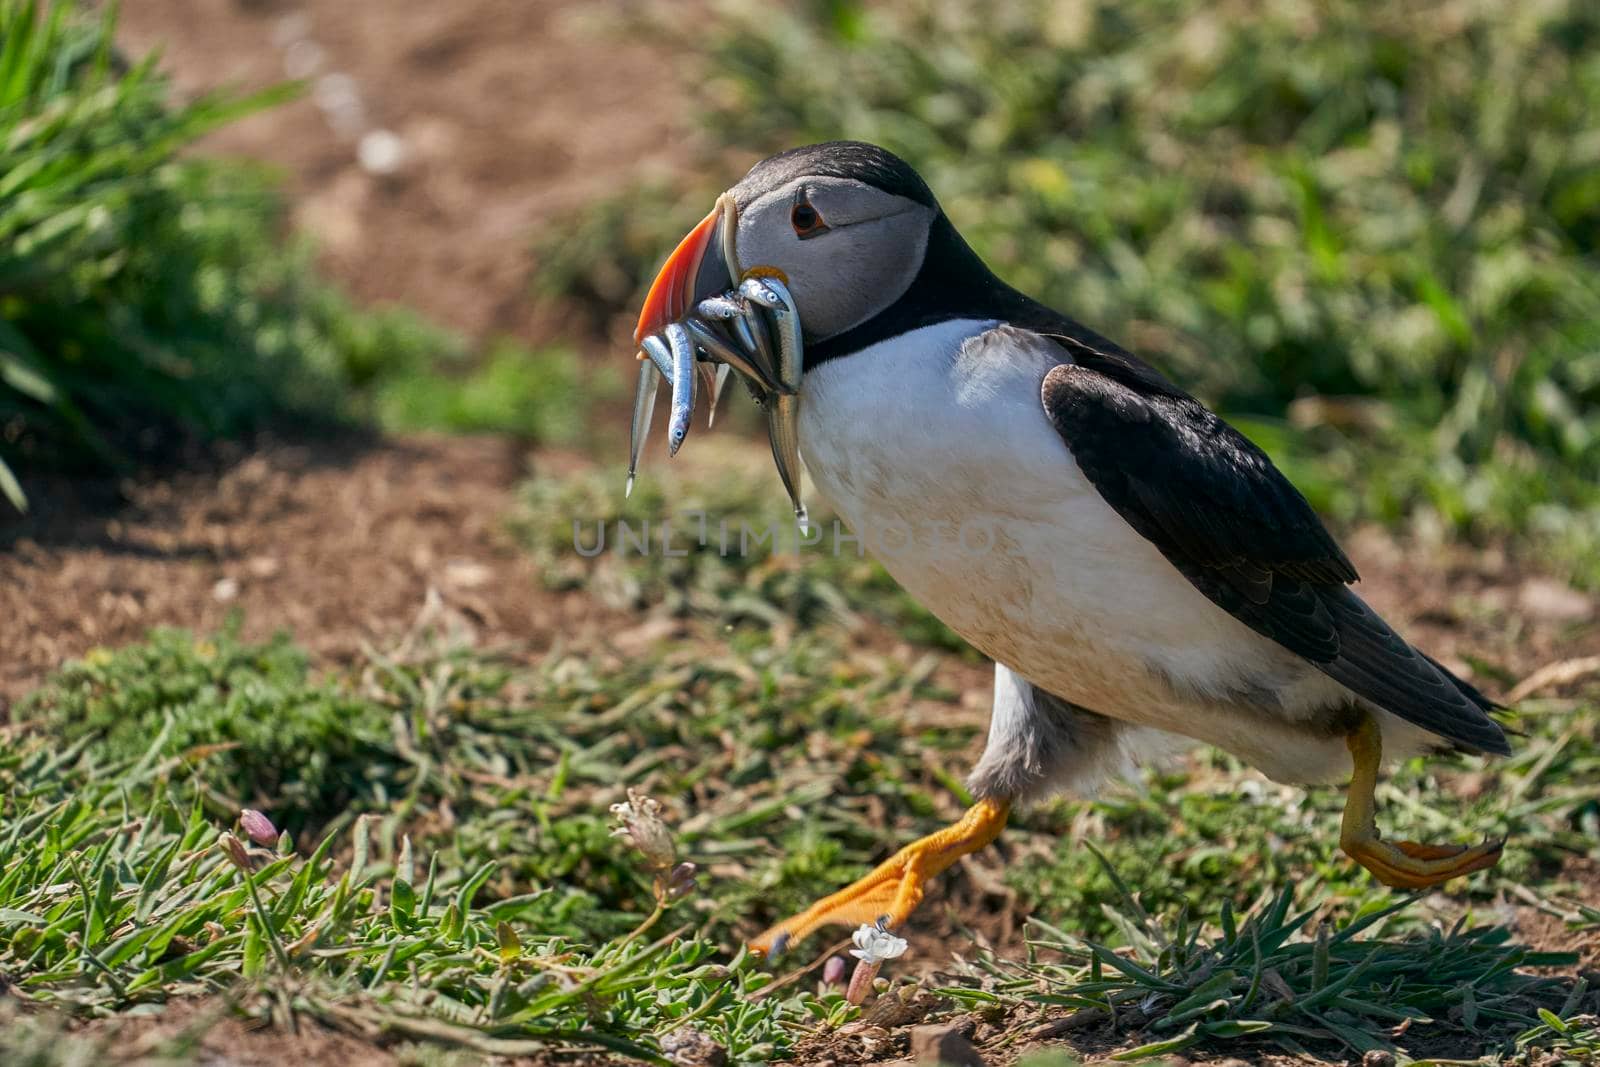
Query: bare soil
x=341, y=541
x=215, y=1032
x=509, y=115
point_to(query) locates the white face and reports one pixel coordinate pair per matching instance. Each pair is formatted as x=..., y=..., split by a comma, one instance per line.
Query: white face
x=847, y=249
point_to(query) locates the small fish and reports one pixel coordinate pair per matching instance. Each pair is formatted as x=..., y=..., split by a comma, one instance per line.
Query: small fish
x=728, y=354
x=656, y=349
x=772, y=294
x=783, y=432
x=721, y=308
x=644, y=406
x=751, y=330
x=718, y=380
x=683, y=385
x=783, y=410
x=766, y=350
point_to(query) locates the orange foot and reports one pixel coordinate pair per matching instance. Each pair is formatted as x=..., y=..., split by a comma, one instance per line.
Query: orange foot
x=1401, y=864
x=1409, y=865
x=894, y=889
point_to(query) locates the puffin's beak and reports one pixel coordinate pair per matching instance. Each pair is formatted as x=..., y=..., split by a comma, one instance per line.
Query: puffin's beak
x=697, y=268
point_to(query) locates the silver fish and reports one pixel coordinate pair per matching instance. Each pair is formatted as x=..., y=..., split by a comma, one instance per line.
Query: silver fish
x=683, y=385
x=718, y=380
x=751, y=329
x=644, y=406
x=783, y=408
x=772, y=294
x=749, y=332
x=755, y=288
x=721, y=308
x=728, y=354
x=765, y=349
x=656, y=349
x=783, y=432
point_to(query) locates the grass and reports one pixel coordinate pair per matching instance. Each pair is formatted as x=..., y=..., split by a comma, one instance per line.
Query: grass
x=733, y=551
x=542, y=395
x=1368, y=236
x=452, y=877
x=90, y=217
x=1260, y=979
x=266, y=729
x=117, y=893
x=488, y=764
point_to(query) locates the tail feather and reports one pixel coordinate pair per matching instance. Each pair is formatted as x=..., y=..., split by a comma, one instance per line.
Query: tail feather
x=1376, y=663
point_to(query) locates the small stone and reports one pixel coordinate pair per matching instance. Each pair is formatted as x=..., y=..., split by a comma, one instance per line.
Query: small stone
x=943, y=1046
x=1546, y=598
x=291, y=28
x=225, y=590
x=688, y=1047
x=303, y=58
x=339, y=99
x=874, y=1041
x=467, y=574
x=1377, y=1057
x=381, y=152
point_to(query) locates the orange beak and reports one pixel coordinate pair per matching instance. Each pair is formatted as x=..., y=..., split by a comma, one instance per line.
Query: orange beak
x=673, y=290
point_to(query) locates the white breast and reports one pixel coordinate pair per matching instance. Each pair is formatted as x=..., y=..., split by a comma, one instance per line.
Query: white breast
x=934, y=446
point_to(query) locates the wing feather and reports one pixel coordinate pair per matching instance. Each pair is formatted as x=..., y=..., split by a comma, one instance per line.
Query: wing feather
x=1233, y=525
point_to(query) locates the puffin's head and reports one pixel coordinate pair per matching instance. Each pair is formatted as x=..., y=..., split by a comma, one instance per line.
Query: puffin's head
x=845, y=224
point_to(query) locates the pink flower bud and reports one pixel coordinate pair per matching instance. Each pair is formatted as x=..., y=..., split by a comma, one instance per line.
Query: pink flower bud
x=680, y=883
x=258, y=827
x=233, y=848
x=833, y=971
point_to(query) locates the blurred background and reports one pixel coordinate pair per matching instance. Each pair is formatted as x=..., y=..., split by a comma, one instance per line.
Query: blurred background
x=1367, y=233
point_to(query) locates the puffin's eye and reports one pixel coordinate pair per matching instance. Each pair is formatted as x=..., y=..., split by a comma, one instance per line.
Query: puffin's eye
x=805, y=220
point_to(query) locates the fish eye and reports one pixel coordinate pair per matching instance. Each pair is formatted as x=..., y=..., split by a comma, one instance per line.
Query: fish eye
x=805, y=220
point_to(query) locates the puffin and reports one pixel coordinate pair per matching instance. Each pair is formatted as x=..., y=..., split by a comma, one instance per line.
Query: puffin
x=1141, y=574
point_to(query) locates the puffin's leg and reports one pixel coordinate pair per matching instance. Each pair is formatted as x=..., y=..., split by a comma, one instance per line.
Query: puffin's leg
x=1038, y=744
x=894, y=889
x=1401, y=864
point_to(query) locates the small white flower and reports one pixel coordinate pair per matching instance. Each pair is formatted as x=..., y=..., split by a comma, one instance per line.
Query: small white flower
x=640, y=824
x=874, y=944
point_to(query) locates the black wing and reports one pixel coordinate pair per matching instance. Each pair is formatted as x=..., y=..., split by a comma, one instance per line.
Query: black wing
x=1231, y=523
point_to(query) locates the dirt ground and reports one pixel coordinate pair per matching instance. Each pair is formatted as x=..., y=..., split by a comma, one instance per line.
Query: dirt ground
x=339, y=541
x=479, y=121
x=343, y=540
